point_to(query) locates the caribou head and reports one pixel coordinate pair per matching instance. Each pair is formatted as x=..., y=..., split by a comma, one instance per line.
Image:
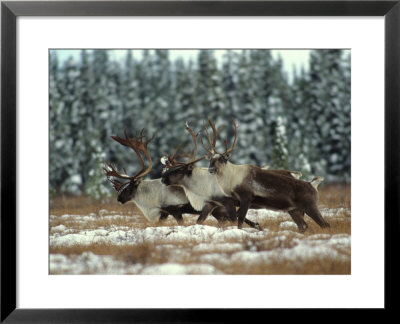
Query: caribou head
x=217, y=159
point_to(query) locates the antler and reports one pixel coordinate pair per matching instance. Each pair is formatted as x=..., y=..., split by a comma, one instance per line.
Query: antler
x=112, y=171
x=193, y=154
x=170, y=161
x=143, y=147
x=212, y=142
x=137, y=145
x=215, y=135
x=228, y=150
x=133, y=143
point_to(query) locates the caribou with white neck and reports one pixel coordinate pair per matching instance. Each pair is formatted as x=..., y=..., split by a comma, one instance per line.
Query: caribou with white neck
x=155, y=200
x=266, y=188
x=200, y=186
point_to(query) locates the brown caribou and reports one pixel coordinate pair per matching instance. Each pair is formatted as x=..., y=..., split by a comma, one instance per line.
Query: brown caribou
x=268, y=189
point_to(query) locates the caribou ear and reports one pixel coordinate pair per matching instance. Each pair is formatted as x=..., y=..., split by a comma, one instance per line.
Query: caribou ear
x=227, y=156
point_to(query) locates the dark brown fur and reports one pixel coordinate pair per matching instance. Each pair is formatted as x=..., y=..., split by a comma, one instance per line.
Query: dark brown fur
x=262, y=187
x=282, y=193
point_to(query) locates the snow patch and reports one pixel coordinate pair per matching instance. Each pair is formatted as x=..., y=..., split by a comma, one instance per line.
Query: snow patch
x=59, y=228
x=218, y=247
x=288, y=225
x=89, y=263
x=179, y=269
x=192, y=249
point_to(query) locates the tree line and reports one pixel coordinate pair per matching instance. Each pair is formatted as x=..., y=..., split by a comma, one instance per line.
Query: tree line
x=302, y=125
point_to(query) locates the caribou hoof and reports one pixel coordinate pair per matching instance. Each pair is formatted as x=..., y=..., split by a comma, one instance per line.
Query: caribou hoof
x=302, y=228
x=257, y=226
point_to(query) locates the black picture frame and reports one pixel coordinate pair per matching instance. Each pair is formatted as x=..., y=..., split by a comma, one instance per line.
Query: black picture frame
x=10, y=10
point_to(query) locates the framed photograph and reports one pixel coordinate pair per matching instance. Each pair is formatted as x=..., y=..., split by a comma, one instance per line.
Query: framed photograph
x=288, y=109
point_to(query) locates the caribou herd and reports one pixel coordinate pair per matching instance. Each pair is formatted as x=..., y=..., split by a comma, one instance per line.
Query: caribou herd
x=224, y=190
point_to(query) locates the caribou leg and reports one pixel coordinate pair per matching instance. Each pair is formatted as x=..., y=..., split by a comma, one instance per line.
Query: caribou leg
x=253, y=224
x=163, y=217
x=207, y=209
x=315, y=214
x=298, y=217
x=244, y=207
x=178, y=218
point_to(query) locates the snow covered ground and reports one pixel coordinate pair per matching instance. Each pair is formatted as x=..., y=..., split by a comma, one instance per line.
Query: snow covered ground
x=108, y=243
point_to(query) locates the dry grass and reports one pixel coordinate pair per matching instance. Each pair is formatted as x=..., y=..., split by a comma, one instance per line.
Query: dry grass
x=309, y=267
x=335, y=196
x=147, y=254
x=82, y=205
x=143, y=253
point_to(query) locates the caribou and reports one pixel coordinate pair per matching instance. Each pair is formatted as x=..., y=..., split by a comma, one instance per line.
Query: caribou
x=199, y=185
x=250, y=184
x=152, y=197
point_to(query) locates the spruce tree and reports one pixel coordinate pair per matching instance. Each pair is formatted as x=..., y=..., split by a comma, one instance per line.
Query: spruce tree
x=298, y=118
x=280, y=154
x=328, y=101
x=210, y=91
x=68, y=125
x=269, y=105
x=250, y=138
x=184, y=108
x=55, y=109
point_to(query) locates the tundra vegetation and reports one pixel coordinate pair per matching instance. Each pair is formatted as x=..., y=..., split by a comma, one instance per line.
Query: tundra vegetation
x=110, y=238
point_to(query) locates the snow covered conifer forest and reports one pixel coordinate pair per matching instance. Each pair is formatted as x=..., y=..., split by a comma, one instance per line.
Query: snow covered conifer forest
x=299, y=122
